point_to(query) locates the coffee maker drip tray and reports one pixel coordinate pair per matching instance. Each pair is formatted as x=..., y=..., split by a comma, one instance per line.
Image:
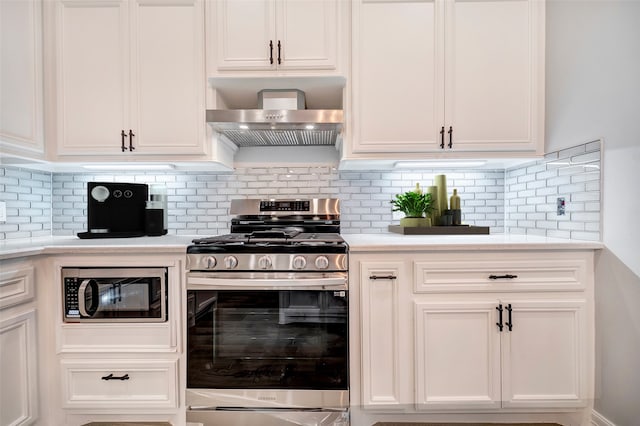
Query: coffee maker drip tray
x=91, y=234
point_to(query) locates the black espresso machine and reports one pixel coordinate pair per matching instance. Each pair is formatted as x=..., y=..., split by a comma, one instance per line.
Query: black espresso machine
x=116, y=210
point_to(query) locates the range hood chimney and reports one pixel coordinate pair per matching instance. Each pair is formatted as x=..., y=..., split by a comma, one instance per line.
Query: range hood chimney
x=279, y=121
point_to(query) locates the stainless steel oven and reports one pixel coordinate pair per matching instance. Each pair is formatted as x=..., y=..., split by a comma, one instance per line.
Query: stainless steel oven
x=267, y=329
x=114, y=294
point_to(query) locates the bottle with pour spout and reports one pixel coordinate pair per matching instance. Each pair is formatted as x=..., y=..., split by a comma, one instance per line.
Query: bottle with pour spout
x=454, y=205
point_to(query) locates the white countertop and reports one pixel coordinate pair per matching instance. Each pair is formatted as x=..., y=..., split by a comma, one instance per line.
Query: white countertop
x=398, y=242
x=357, y=243
x=72, y=244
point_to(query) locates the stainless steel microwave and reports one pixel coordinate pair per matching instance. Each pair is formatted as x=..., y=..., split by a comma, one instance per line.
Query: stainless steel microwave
x=114, y=294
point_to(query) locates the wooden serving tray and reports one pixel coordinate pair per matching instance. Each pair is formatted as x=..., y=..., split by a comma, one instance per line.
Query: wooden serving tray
x=440, y=230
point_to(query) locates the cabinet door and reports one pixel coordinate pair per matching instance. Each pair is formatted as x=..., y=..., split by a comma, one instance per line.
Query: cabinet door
x=21, y=124
x=244, y=30
x=382, y=364
x=306, y=31
x=19, y=390
x=494, y=71
x=457, y=355
x=92, y=75
x=544, y=355
x=167, y=65
x=398, y=81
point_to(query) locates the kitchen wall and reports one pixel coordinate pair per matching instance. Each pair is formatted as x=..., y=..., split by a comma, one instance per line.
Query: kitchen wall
x=593, y=91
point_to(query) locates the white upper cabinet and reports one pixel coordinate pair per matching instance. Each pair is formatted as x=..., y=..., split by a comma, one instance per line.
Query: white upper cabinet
x=267, y=35
x=397, y=80
x=130, y=77
x=446, y=76
x=494, y=75
x=21, y=125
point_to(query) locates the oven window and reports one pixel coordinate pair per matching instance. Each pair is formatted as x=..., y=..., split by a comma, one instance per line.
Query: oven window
x=267, y=339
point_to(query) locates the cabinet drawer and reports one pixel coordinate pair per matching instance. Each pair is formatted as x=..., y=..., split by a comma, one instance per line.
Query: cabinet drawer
x=119, y=383
x=499, y=272
x=16, y=283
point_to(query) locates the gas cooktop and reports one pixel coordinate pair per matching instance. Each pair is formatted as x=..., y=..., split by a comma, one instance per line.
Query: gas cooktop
x=273, y=237
x=293, y=235
x=270, y=242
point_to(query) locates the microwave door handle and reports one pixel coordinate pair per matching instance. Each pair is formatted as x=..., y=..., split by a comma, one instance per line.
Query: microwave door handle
x=93, y=287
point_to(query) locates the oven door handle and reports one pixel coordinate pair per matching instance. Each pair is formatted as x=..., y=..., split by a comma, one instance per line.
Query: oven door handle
x=208, y=283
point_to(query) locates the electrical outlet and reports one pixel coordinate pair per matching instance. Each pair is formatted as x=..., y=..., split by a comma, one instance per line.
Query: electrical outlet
x=560, y=206
x=3, y=211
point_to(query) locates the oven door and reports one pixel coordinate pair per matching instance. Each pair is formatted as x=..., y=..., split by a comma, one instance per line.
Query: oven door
x=274, y=341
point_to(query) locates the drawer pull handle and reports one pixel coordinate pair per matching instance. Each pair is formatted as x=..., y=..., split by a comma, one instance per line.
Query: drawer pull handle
x=500, y=277
x=499, y=323
x=112, y=377
x=383, y=277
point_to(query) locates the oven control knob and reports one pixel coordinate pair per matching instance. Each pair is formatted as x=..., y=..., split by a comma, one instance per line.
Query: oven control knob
x=230, y=262
x=264, y=262
x=299, y=262
x=322, y=262
x=210, y=262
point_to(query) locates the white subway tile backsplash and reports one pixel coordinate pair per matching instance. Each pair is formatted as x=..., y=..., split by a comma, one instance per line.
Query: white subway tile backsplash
x=519, y=200
x=570, y=152
x=28, y=195
x=558, y=175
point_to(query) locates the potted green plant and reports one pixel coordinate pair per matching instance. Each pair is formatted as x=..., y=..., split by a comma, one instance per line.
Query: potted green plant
x=415, y=205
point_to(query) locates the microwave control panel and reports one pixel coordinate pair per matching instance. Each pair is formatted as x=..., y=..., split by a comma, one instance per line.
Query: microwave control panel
x=71, y=306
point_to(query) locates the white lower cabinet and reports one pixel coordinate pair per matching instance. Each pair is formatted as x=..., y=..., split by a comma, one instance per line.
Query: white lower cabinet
x=18, y=351
x=381, y=337
x=512, y=334
x=464, y=359
x=18, y=343
x=112, y=371
x=457, y=355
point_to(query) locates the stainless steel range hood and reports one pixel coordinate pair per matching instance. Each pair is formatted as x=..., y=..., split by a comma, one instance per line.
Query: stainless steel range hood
x=256, y=127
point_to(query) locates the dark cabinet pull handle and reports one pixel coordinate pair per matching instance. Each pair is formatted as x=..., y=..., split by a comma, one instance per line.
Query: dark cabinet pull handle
x=383, y=277
x=450, y=137
x=499, y=323
x=502, y=277
x=112, y=377
x=442, y=138
x=509, y=323
x=124, y=135
x=279, y=56
x=271, y=52
x=131, y=135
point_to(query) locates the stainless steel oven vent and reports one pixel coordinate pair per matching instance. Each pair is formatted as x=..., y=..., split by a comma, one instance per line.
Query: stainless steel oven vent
x=277, y=127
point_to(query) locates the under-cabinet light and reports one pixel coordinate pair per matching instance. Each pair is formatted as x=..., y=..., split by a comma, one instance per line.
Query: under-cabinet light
x=437, y=164
x=129, y=166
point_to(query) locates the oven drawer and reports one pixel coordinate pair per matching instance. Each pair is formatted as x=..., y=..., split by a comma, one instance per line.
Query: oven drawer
x=268, y=418
x=109, y=383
